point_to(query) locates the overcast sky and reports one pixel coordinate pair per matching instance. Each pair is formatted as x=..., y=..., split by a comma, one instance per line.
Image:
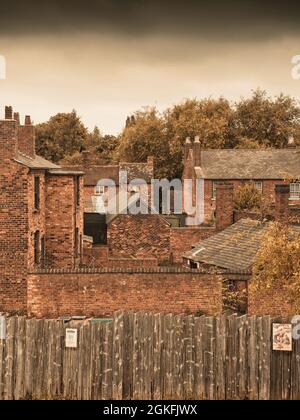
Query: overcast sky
x=108, y=58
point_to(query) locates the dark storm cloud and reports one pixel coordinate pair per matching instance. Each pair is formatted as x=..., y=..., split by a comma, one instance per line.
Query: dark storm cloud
x=227, y=19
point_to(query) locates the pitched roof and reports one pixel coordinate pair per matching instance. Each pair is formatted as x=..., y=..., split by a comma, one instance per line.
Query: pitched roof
x=249, y=164
x=234, y=248
x=95, y=173
x=37, y=162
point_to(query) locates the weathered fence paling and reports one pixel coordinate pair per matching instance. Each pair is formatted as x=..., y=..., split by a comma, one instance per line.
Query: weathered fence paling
x=147, y=356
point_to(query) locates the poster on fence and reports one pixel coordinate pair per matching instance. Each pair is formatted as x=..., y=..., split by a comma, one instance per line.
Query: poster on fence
x=2, y=328
x=282, y=337
x=71, y=338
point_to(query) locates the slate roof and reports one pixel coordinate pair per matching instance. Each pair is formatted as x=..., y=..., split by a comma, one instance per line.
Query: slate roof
x=249, y=164
x=37, y=162
x=95, y=173
x=234, y=248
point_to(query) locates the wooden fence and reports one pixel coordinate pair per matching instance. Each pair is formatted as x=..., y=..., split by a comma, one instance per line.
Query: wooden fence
x=147, y=356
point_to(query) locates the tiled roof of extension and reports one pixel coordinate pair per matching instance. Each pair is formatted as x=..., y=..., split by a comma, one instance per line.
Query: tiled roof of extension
x=37, y=162
x=249, y=164
x=234, y=248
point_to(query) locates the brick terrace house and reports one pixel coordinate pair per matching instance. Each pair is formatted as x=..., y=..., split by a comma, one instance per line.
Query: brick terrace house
x=95, y=173
x=96, y=170
x=265, y=168
x=41, y=212
x=233, y=249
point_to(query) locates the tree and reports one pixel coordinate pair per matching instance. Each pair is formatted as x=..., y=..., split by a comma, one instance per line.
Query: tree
x=268, y=121
x=277, y=265
x=210, y=119
x=247, y=197
x=145, y=136
x=93, y=138
x=62, y=135
x=107, y=146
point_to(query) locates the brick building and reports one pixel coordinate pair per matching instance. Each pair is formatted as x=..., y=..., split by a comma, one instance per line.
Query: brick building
x=41, y=207
x=234, y=246
x=94, y=172
x=265, y=168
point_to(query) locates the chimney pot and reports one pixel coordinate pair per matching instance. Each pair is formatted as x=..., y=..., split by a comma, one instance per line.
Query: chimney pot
x=197, y=139
x=8, y=113
x=188, y=140
x=17, y=117
x=27, y=120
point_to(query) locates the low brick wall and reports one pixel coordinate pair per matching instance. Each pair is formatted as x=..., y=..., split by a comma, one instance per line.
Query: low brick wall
x=269, y=302
x=182, y=239
x=101, y=292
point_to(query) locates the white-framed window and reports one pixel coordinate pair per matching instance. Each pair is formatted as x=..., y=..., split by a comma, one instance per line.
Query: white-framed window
x=99, y=190
x=259, y=186
x=295, y=191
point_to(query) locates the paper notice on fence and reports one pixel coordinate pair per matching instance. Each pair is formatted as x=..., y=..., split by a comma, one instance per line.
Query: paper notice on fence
x=2, y=328
x=282, y=337
x=71, y=338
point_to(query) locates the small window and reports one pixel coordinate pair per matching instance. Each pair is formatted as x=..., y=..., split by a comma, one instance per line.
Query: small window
x=99, y=190
x=37, y=247
x=36, y=192
x=214, y=190
x=295, y=191
x=259, y=186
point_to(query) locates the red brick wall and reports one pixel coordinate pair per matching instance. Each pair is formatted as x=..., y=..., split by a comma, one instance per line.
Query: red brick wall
x=26, y=140
x=36, y=218
x=53, y=295
x=270, y=302
x=224, y=206
x=13, y=236
x=98, y=257
x=139, y=236
x=182, y=239
x=62, y=217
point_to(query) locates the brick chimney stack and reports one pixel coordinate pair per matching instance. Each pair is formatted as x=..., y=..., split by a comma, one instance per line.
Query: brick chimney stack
x=187, y=147
x=26, y=144
x=197, y=151
x=224, y=206
x=27, y=120
x=8, y=136
x=282, y=196
x=8, y=113
x=17, y=117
